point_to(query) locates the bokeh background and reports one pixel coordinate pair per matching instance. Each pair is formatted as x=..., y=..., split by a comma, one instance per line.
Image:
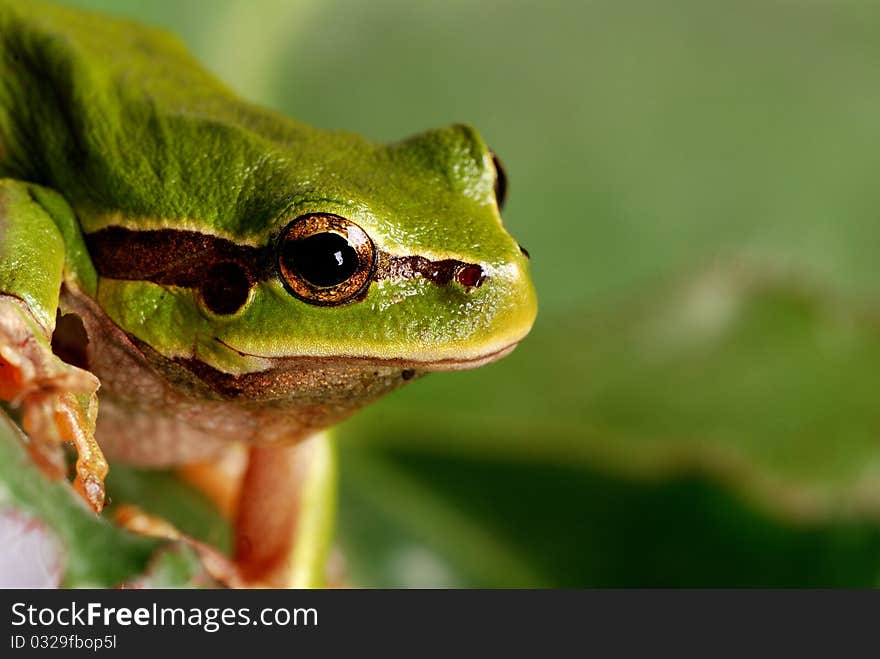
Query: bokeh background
x=696, y=183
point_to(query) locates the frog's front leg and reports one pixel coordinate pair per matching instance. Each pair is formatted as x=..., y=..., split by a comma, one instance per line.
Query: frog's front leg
x=58, y=401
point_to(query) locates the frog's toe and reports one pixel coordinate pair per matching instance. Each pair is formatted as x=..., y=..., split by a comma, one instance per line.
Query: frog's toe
x=58, y=403
x=52, y=417
x=216, y=565
x=75, y=420
x=91, y=488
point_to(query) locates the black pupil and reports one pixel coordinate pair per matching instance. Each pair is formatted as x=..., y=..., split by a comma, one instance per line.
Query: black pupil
x=323, y=259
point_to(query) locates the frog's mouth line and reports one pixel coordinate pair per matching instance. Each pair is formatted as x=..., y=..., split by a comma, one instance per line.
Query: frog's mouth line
x=286, y=375
x=449, y=364
x=172, y=257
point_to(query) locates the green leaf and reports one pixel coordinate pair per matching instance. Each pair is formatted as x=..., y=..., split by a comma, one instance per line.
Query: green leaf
x=464, y=522
x=94, y=552
x=729, y=380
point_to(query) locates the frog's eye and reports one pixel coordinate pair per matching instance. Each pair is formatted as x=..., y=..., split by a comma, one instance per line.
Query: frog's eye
x=500, y=182
x=325, y=259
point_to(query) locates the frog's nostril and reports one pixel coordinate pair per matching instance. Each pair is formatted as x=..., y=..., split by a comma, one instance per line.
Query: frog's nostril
x=525, y=252
x=470, y=276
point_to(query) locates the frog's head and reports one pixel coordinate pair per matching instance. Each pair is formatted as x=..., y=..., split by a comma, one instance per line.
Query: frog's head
x=383, y=256
x=406, y=258
x=228, y=234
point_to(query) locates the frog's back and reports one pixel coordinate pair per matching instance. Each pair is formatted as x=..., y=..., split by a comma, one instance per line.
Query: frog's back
x=114, y=115
x=58, y=62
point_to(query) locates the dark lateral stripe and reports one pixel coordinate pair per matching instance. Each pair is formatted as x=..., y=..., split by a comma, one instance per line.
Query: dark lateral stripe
x=181, y=258
x=437, y=272
x=169, y=256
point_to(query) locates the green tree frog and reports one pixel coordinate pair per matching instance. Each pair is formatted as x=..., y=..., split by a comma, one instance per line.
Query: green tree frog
x=225, y=274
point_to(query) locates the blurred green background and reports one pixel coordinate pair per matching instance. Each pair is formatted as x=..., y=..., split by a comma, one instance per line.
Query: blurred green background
x=695, y=182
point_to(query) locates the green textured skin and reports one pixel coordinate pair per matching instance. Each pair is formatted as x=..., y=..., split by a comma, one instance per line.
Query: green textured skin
x=131, y=131
x=31, y=252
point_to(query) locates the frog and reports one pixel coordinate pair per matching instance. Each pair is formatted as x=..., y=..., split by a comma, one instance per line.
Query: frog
x=218, y=274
